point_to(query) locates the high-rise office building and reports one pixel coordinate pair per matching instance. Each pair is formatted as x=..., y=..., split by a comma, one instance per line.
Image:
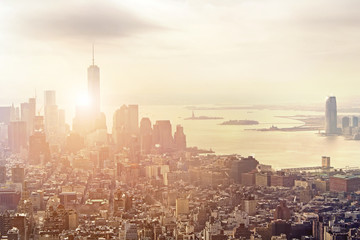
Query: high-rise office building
x=51, y=115
x=162, y=136
x=24, y=108
x=14, y=113
x=17, y=174
x=27, y=110
x=88, y=118
x=331, y=116
x=145, y=126
x=125, y=125
x=180, y=138
x=39, y=151
x=94, y=86
x=19, y=221
x=49, y=98
x=5, y=114
x=32, y=114
x=103, y=156
x=25, y=116
x=244, y=165
x=325, y=162
x=17, y=136
x=39, y=124
x=182, y=206
x=3, y=132
x=133, y=111
x=74, y=142
x=131, y=232
x=62, y=118
x=354, y=121
x=121, y=132
x=2, y=174
x=145, y=136
x=83, y=122
x=345, y=122
x=62, y=124
x=73, y=219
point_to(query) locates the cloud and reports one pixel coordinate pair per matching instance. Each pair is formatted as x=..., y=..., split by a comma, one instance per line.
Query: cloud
x=82, y=20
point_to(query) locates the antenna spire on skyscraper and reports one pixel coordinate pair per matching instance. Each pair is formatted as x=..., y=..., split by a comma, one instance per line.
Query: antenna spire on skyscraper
x=93, y=58
x=94, y=83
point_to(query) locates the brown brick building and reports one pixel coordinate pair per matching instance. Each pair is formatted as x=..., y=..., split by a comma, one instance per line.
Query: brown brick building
x=344, y=183
x=282, y=180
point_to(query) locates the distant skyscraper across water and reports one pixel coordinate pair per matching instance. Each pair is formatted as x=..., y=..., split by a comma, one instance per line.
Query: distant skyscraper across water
x=94, y=86
x=331, y=116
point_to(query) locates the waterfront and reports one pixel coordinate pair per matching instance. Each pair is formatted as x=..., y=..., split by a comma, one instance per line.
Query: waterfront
x=279, y=149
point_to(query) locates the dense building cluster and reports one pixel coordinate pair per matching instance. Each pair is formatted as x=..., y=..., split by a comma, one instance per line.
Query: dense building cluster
x=177, y=195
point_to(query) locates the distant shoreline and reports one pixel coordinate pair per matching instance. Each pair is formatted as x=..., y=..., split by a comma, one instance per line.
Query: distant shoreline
x=310, y=123
x=240, y=122
x=273, y=107
x=291, y=129
x=203, y=118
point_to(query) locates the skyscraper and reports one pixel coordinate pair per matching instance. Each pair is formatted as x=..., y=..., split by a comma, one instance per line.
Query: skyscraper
x=17, y=136
x=51, y=115
x=49, y=97
x=182, y=206
x=88, y=119
x=94, y=86
x=120, y=132
x=32, y=114
x=125, y=124
x=162, y=135
x=354, y=121
x=62, y=124
x=24, y=109
x=145, y=135
x=133, y=119
x=180, y=138
x=5, y=114
x=27, y=110
x=17, y=174
x=345, y=122
x=331, y=116
x=2, y=174
x=39, y=151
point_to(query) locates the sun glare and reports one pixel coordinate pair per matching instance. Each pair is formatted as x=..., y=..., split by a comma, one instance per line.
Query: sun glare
x=83, y=100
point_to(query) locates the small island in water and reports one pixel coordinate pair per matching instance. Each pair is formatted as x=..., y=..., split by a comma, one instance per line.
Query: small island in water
x=240, y=122
x=193, y=117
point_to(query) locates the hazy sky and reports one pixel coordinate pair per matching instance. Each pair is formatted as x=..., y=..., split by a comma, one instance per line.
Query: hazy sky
x=178, y=51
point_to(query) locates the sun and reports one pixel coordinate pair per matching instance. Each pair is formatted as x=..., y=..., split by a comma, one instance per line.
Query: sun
x=83, y=100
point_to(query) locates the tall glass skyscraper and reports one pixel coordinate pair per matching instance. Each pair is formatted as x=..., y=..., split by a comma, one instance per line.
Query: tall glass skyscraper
x=51, y=115
x=331, y=116
x=94, y=87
